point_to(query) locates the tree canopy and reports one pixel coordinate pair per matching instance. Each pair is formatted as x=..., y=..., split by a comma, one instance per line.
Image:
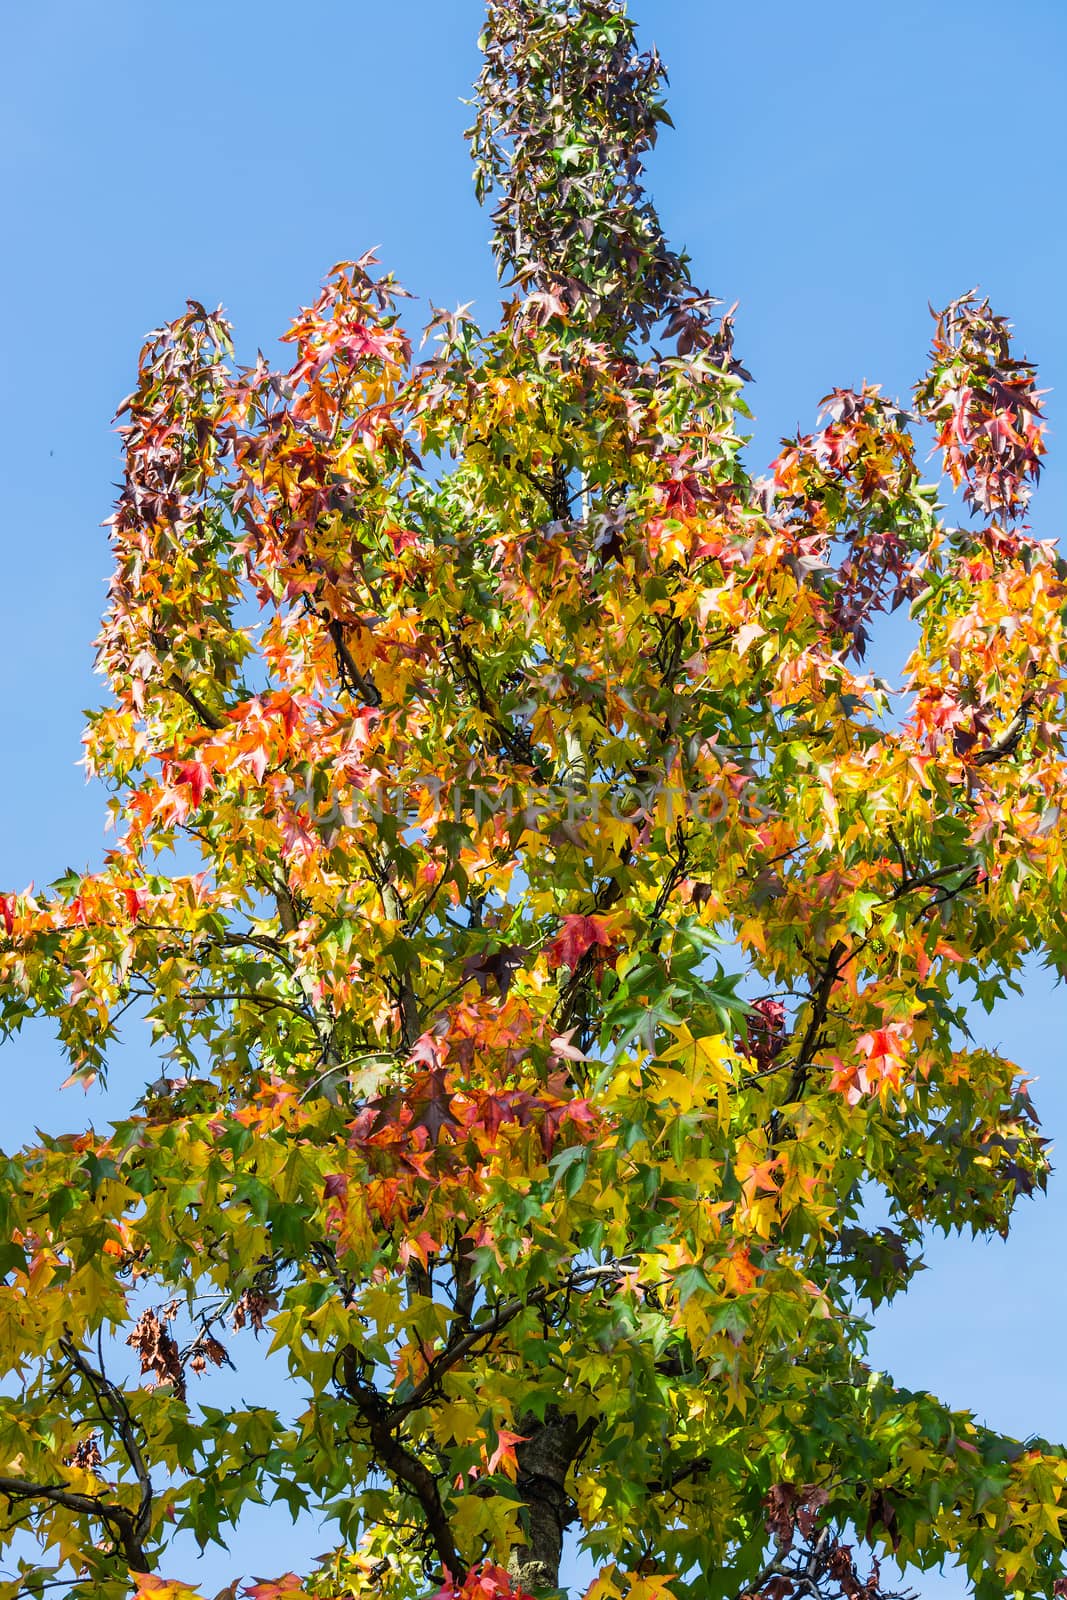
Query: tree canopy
x=557, y=941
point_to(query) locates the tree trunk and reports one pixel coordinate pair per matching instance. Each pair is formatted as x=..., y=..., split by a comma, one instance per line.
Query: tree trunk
x=544, y=1461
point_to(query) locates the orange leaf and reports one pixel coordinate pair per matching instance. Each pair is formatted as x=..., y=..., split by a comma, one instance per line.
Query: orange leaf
x=503, y=1457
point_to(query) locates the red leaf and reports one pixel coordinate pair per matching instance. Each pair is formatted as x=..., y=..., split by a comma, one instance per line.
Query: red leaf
x=136, y=900
x=503, y=1457
x=579, y=934
x=196, y=776
x=288, y=1583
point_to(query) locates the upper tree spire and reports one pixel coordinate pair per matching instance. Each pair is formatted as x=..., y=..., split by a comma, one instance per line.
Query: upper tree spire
x=567, y=106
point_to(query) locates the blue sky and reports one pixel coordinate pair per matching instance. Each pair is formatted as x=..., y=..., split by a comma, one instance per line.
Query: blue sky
x=835, y=167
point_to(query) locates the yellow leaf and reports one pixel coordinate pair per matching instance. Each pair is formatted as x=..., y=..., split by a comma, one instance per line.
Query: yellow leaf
x=653, y=1586
x=150, y=1587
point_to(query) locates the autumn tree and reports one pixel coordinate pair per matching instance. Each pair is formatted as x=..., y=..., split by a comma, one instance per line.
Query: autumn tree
x=558, y=944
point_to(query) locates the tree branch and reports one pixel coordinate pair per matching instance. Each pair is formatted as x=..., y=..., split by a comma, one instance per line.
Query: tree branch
x=406, y=998
x=502, y=1315
x=351, y=677
x=1008, y=741
x=105, y=1391
x=380, y=1419
x=192, y=699
x=120, y=1519
x=820, y=1005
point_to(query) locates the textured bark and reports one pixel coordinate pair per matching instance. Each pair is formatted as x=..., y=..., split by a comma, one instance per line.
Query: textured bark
x=544, y=1461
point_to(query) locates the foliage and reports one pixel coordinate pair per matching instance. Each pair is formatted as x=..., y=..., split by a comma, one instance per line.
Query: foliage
x=558, y=952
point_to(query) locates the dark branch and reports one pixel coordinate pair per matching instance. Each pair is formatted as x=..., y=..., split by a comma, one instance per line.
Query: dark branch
x=192, y=699
x=820, y=1006
x=1008, y=742
x=119, y=1519
x=111, y=1403
x=381, y=1421
x=351, y=677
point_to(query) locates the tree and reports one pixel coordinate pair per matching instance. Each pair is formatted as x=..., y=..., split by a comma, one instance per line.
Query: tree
x=559, y=953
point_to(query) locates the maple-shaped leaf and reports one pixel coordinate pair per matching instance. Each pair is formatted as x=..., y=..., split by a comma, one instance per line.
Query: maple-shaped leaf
x=151, y=1587
x=275, y=1589
x=487, y=1582
x=196, y=777
x=578, y=935
x=739, y=1272
x=563, y=1048
x=495, y=966
x=430, y=1099
x=420, y=1248
x=503, y=1458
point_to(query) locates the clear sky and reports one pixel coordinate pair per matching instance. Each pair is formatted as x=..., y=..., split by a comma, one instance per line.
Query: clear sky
x=836, y=165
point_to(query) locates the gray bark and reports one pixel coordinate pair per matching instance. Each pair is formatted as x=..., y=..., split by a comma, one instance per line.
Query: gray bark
x=544, y=1461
